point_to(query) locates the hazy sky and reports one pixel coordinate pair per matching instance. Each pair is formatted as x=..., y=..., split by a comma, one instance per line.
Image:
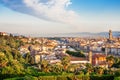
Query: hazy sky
x=59, y=16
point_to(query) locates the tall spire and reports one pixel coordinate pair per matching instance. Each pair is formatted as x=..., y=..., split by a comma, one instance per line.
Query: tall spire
x=110, y=35
x=90, y=57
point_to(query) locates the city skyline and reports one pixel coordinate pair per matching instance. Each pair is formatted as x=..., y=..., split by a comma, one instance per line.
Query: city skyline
x=59, y=16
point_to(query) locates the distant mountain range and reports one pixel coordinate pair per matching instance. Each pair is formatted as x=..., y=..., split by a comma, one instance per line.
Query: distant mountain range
x=88, y=34
x=106, y=34
x=78, y=34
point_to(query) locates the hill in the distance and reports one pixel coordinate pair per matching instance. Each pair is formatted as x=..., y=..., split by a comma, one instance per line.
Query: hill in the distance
x=78, y=34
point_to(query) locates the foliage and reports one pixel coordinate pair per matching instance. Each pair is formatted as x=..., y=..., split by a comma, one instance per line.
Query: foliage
x=77, y=54
x=103, y=77
x=117, y=73
x=44, y=66
x=110, y=60
x=57, y=68
x=116, y=62
x=117, y=78
x=65, y=62
x=66, y=77
x=99, y=70
x=3, y=59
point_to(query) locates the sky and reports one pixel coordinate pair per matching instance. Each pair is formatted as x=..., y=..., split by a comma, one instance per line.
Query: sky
x=59, y=16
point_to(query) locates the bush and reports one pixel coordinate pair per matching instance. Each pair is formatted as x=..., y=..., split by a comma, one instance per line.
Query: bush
x=117, y=73
x=117, y=78
x=81, y=77
x=23, y=78
x=16, y=78
x=46, y=78
x=76, y=54
x=104, y=77
x=30, y=78
x=61, y=78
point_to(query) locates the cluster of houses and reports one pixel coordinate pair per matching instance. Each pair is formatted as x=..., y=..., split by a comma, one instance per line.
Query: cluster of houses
x=101, y=45
x=4, y=33
x=96, y=50
x=54, y=52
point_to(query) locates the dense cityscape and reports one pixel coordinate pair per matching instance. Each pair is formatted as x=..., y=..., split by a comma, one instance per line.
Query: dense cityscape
x=59, y=58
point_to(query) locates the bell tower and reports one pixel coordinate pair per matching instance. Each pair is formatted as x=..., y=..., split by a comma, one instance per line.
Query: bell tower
x=90, y=57
x=110, y=35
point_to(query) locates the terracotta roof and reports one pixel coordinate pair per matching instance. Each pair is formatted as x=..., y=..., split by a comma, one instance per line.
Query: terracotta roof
x=102, y=63
x=77, y=58
x=99, y=55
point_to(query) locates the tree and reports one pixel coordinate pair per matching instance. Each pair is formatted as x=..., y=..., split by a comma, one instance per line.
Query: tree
x=32, y=61
x=3, y=59
x=3, y=41
x=65, y=62
x=89, y=68
x=11, y=42
x=110, y=60
x=99, y=70
x=14, y=53
x=44, y=66
x=116, y=62
x=8, y=55
x=27, y=57
x=57, y=68
x=77, y=54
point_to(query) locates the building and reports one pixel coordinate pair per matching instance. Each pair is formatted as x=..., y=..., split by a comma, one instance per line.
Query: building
x=38, y=55
x=99, y=60
x=78, y=60
x=3, y=33
x=110, y=35
x=75, y=60
x=90, y=57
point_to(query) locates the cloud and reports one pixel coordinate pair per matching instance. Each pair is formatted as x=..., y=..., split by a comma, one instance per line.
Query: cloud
x=52, y=10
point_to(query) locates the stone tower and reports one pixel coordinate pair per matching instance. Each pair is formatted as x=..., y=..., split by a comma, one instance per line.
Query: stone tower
x=110, y=35
x=90, y=56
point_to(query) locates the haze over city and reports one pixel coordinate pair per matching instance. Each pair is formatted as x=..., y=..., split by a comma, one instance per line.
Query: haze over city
x=59, y=16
